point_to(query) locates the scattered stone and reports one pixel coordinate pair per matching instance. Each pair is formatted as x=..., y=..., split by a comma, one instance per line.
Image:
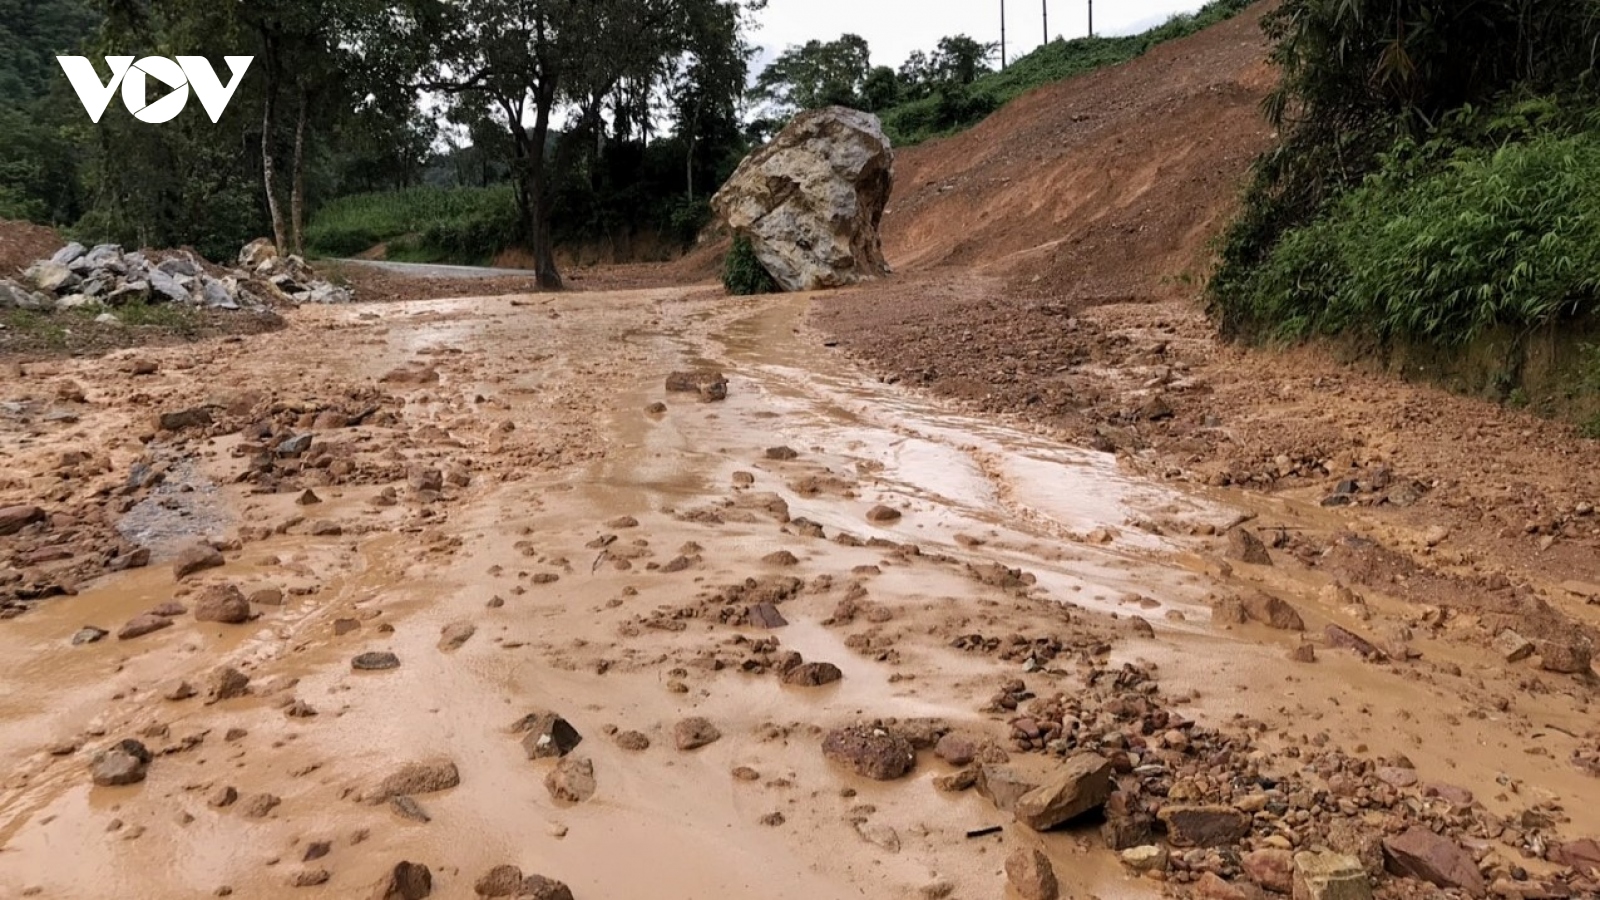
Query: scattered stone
x=709, y=384
x=781, y=558
x=883, y=515
x=406, y=881
x=1438, y=860
x=376, y=661
x=1330, y=876
x=409, y=809
x=782, y=454
x=123, y=763
x=572, y=780
x=633, y=741
x=423, y=777
x=89, y=634
x=226, y=683
x=1031, y=875
x=538, y=887
x=875, y=753
x=812, y=674
x=223, y=603
x=1204, y=826
x=1303, y=653
x=1566, y=657
x=197, y=417
x=547, y=735
x=1081, y=785
x=1004, y=786
x=694, y=733
x=1272, y=611
x=656, y=408
x=267, y=597
x=765, y=615
x=500, y=881
x=957, y=749
x=1146, y=858
x=139, y=626
x=455, y=634
x=1513, y=647
x=1244, y=546
x=196, y=558
x=223, y=798
x=259, y=806
x=179, y=690
x=308, y=498
x=1349, y=640
x=15, y=518
x=311, y=878
x=1272, y=869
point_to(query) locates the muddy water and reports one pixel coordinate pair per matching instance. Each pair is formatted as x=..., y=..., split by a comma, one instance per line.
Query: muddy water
x=562, y=625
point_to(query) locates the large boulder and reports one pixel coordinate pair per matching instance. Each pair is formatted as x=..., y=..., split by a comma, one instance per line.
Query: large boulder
x=810, y=202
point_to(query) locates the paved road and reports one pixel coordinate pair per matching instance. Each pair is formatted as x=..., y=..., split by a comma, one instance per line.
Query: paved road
x=428, y=270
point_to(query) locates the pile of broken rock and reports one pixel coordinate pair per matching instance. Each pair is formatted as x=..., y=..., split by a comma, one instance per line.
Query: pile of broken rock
x=107, y=276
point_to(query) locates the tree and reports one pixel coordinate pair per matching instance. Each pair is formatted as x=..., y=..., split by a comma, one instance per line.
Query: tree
x=817, y=74
x=960, y=60
x=522, y=60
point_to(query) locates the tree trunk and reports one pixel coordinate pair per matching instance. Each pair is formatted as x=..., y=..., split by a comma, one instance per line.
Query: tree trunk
x=269, y=123
x=297, y=201
x=544, y=254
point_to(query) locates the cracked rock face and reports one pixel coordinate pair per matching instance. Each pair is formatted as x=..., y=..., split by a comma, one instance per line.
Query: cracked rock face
x=812, y=200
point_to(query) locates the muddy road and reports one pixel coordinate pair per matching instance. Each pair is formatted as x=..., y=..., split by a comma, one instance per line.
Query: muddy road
x=492, y=495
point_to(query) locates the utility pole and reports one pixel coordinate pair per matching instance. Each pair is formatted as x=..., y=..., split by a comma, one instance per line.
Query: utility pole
x=1091, y=18
x=1046, y=5
x=1002, y=35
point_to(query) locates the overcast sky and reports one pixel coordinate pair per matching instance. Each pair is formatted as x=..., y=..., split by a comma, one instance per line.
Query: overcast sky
x=894, y=28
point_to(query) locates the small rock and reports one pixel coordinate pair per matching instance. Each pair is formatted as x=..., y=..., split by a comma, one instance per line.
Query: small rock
x=1204, y=826
x=1330, y=876
x=123, y=763
x=633, y=741
x=1148, y=858
x=883, y=515
x=707, y=383
x=812, y=674
x=224, y=797
x=377, y=661
x=1081, y=785
x=694, y=733
x=409, y=809
x=1272, y=869
x=1513, y=647
x=782, y=453
x=1566, y=657
x=139, y=626
x=455, y=634
x=1244, y=546
x=538, y=887
x=406, y=881
x=310, y=878
x=1031, y=875
x=223, y=603
x=226, y=683
x=179, y=690
x=258, y=806
x=1303, y=653
x=572, y=780
x=957, y=749
x=547, y=735
x=308, y=498
x=15, y=518
x=1438, y=860
x=88, y=634
x=1272, y=611
x=875, y=753
x=423, y=777
x=500, y=881
x=196, y=558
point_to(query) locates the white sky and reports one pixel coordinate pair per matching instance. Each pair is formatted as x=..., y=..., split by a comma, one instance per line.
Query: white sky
x=894, y=28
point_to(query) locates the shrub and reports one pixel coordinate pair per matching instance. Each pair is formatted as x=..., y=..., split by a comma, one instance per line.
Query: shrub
x=1438, y=252
x=742, y=272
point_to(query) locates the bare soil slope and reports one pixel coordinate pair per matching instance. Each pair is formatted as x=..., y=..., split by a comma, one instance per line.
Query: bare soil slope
x=1101, y=185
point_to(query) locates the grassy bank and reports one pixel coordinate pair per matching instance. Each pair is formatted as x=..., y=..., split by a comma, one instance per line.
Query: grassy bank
x=425, y=224
x=957, y=108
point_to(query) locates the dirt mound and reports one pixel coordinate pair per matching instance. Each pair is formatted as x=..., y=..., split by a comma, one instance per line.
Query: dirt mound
x=1106, y=185
x=22, y=243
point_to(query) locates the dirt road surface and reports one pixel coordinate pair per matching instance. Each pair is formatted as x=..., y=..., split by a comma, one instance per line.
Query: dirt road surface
x=524, y=534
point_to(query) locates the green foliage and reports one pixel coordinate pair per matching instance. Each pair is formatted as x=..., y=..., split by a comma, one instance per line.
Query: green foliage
x=1439, y=249
x=1358, y=75
x=817, y=74
x=953, y=90
x=424, y=224
x=742, y=272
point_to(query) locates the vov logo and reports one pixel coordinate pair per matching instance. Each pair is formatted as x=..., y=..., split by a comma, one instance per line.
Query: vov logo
x=133, y=77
